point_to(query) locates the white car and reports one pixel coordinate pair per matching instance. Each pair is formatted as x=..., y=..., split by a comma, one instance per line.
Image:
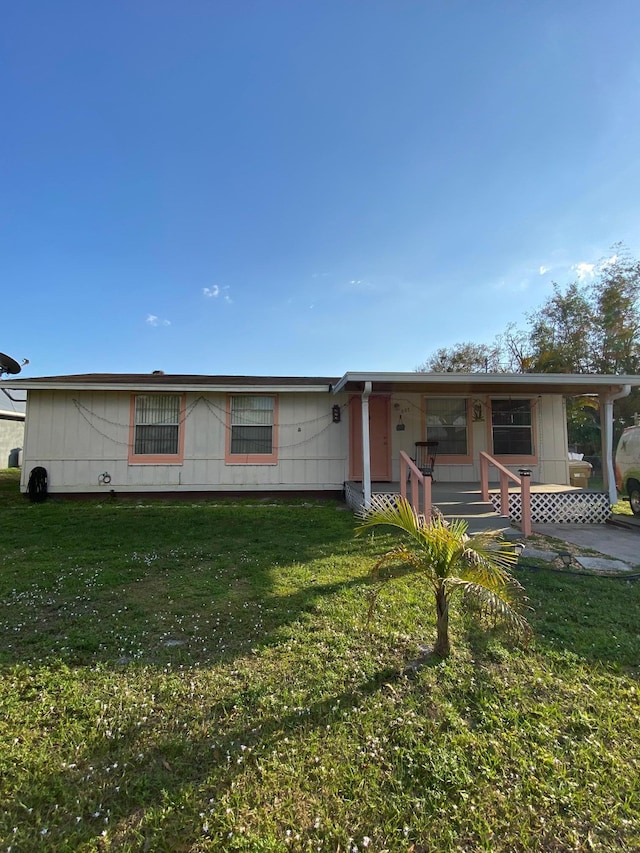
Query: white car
x=628, y=466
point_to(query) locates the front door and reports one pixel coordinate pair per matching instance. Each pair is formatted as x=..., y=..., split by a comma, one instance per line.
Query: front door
x=379, y=438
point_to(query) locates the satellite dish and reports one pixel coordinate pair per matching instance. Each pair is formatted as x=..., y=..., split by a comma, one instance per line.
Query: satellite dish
x=8, y=364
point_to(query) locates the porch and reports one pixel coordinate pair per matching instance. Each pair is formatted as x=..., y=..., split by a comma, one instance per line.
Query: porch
x=549, y=503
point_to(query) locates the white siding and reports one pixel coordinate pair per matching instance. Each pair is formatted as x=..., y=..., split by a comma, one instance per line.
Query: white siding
x=549, y=416
x=79, y=436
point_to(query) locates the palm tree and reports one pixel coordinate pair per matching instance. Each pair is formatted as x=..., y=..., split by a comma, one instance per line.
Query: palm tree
x=450, y=562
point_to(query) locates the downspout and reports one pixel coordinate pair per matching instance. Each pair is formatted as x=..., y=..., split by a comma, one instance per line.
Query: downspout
x=607, y=439
x=366, y=447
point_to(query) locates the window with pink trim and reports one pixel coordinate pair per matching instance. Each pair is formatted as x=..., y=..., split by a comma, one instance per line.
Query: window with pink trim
x=252, y=428
x=156, y=428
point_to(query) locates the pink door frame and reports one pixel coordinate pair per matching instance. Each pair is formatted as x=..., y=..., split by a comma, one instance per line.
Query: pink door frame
x=380, y=437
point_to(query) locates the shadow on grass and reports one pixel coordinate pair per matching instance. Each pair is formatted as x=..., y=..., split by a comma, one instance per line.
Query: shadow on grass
x=157, y=777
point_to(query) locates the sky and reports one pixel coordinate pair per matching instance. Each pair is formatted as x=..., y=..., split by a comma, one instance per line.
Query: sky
x=304, y=188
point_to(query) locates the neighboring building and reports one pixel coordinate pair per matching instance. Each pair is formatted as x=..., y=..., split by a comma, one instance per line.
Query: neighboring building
x=11, y=438
x=151, y=433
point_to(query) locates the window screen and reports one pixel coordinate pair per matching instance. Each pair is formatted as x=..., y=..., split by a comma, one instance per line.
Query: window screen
x=157, y=424
x=252, y=424
x=447, y=424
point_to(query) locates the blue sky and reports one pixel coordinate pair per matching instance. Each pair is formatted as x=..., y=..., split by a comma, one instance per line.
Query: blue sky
x=304, y=188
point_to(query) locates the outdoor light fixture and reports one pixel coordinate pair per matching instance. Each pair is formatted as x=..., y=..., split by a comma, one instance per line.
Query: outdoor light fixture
x=335, y=413
x=400, y=424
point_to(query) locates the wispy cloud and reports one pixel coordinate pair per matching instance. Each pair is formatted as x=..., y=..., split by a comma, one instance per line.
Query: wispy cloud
x=154, y=320
x=583, y=270
x=543, y=270
x=216, y=292
x=609, y=262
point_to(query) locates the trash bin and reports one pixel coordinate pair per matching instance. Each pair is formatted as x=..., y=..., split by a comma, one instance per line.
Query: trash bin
x=579, y=473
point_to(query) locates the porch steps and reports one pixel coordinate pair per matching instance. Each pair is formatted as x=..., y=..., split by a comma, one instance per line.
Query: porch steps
x=462, y=500
x=480, y=516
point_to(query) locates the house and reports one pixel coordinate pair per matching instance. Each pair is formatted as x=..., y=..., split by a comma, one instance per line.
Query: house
x=11, y=438
x=161, y=433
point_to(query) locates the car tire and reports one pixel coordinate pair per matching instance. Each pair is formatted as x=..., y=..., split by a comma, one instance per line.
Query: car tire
x=634, y=497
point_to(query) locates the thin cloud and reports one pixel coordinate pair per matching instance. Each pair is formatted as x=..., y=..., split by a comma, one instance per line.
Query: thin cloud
x=584, y=270
x=154, y=320
x=543, y=270
x=215, y=292
x=609, y=262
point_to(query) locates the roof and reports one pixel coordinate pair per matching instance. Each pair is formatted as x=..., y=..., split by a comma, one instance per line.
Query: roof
x=486, y=383
x=171, y=382
x=351, y=382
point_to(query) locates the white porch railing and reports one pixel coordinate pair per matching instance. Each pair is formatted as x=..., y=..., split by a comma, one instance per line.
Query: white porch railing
x=419, y=483
x=524, y=481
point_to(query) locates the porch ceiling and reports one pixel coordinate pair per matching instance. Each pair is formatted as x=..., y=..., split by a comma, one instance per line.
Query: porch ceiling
x=484, y=383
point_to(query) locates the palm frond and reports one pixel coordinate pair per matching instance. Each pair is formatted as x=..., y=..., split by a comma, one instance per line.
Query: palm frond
x=400, y=515
x=398, y=562
x=496, y=605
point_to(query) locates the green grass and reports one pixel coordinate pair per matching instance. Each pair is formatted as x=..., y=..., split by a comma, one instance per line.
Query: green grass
x=199, y=677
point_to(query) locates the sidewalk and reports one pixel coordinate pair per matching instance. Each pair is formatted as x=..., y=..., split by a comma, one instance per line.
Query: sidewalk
x=612, y=542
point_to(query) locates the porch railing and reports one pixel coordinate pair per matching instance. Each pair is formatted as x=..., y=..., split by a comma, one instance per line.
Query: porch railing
x=420, y=485
x=524, y=481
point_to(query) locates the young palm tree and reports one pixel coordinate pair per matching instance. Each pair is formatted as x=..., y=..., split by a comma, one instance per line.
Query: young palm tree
x=450, y=562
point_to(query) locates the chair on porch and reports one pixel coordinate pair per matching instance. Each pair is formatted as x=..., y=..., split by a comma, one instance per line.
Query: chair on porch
x=425, y=459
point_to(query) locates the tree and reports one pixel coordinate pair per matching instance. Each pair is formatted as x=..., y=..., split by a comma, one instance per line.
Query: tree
x=561, y=333
x=450, y=564
x=463, y=358
x=585, y=327
x=615, y=295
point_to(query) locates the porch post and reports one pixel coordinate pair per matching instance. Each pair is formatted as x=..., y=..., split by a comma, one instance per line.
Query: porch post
x=606, y=437
x=366, y=445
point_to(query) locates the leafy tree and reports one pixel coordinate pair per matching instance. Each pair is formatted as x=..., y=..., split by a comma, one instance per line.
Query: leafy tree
x=615, y=296
x=450, y=564
x=463, y=358
x=560, y=333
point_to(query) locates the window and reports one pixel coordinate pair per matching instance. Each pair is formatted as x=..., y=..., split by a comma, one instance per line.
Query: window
x=252, y=423
x=511, y=425
x=156, y=429
x=447, y=424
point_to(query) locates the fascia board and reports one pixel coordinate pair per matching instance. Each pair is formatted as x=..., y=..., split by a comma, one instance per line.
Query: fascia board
x=508, y=379
x=25, y=385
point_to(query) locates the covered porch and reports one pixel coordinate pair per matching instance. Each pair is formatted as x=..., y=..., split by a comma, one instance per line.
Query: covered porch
x=498, y=436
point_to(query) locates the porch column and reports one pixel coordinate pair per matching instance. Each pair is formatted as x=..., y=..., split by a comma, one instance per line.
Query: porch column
x=366, y=444
x=606, y=438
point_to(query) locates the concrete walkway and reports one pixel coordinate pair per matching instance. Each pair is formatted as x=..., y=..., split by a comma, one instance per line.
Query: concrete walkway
x=612, y=542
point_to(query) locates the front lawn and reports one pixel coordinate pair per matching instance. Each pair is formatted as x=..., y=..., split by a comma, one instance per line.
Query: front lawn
x=200, y=677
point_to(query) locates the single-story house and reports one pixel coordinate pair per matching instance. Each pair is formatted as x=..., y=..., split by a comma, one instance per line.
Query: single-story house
x=11, y=438
x=162, y=433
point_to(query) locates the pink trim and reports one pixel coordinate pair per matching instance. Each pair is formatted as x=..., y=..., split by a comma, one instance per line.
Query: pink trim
x=157, y=458
x=251, y=458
